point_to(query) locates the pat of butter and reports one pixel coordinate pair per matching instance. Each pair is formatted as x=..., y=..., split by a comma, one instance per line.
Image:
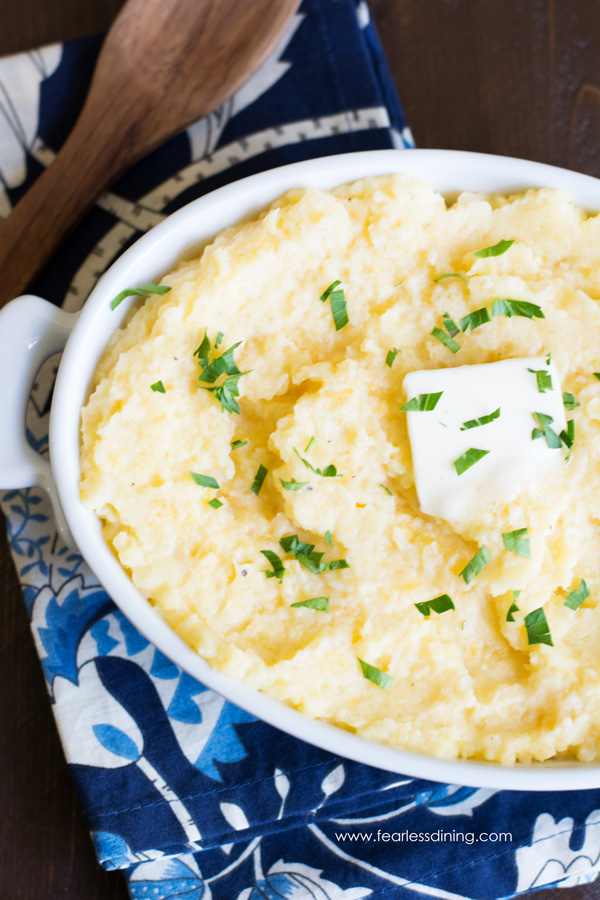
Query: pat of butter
x=514, y=463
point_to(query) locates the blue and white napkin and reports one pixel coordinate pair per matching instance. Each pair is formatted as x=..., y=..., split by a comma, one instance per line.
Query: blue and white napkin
x=189, y=795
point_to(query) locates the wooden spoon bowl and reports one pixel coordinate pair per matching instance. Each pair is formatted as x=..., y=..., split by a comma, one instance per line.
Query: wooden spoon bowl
x=164, y=64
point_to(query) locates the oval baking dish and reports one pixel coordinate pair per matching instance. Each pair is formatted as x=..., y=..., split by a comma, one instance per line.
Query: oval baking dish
x=31, y=330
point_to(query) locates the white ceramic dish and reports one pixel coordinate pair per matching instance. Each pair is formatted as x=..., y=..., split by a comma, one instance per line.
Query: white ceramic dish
x=32, y=329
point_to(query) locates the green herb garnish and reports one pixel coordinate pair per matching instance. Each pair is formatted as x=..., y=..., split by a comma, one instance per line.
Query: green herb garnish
x=469, y=459
x=474, y=567
x=422, y=403
x=159, y=387
x=538, y=631
x=438, y=605
x=450, y=275
x=304, y=553
x=544, y=421
x=221, y=365
x=310, y=444
x=278, y=567
x=237, y=443
x=218, y=339
x=445, y=339
x=484, y=420
x=474, y=319
x=450, y=325
x=568, y=436
x=144, y=291
x=320, y=603
x=386, y=489
x=495, y=250
x=596, y=375
x=328, y=538
x=336, y=564
x=203, y=351
x=513, y=607
x=544, y=380
x=329, y=471
x=576, y=597
x=261, y=474
x=569, y=400
x=204, y=480
x=216, y=504
x=391, y=356
x=292, y=485
x=517, y=542
x=506, y=307
x=337, y=302
x=306, y=556
x=228, y=390
x=372, y=673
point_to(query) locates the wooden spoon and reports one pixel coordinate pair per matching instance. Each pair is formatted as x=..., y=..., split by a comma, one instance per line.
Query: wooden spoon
x=164, y=64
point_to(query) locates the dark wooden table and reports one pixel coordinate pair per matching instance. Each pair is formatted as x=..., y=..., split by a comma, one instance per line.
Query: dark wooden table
x=518, y=78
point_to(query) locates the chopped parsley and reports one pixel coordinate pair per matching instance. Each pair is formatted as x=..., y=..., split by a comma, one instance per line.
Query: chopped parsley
x=377, y=676
x=538, y=631
x=544, y=421
x=544, y=380
x=216, y=504
x=475, y=566
x=596, y=375
x=336, y=564
x=474, y=319
x=576, y=597
x=228, y=390
x=517, y=542
x=450, y=325
x=445, y=339
x=306, y=556
x=568, y=436
x=422, y=403
x=328, y=539
x=469, y=459
x=391, y=356
x=337, y=301
x=329, y=471
x=513, y=607
x=292, y=485
x=304, y=553
x=438, y=605
x=495, y=250
x=237, y=443
x=203, y=351
x=506, y=307
x=204, y=480
x=450, y=275
x=569, y=400
x=261, y=474
x=278, y=567
x=320, y=603
x=483, y=420
x=144, y=291
x=159, y=387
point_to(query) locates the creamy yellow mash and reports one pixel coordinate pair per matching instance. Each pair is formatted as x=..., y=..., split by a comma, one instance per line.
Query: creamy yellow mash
x=320, y=407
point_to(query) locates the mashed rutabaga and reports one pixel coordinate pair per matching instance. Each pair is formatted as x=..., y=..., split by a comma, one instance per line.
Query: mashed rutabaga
x=227, y=521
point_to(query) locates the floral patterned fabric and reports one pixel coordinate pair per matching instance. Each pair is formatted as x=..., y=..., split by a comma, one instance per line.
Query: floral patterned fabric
x=188, y=794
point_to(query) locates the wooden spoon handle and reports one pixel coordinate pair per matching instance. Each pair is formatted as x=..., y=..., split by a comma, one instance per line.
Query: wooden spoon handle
x=52, y=207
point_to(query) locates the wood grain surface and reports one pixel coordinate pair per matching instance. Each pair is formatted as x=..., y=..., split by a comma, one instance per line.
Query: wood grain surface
x=518, y=78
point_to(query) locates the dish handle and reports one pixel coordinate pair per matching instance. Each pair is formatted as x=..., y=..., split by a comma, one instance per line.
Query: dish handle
x=31, y=330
